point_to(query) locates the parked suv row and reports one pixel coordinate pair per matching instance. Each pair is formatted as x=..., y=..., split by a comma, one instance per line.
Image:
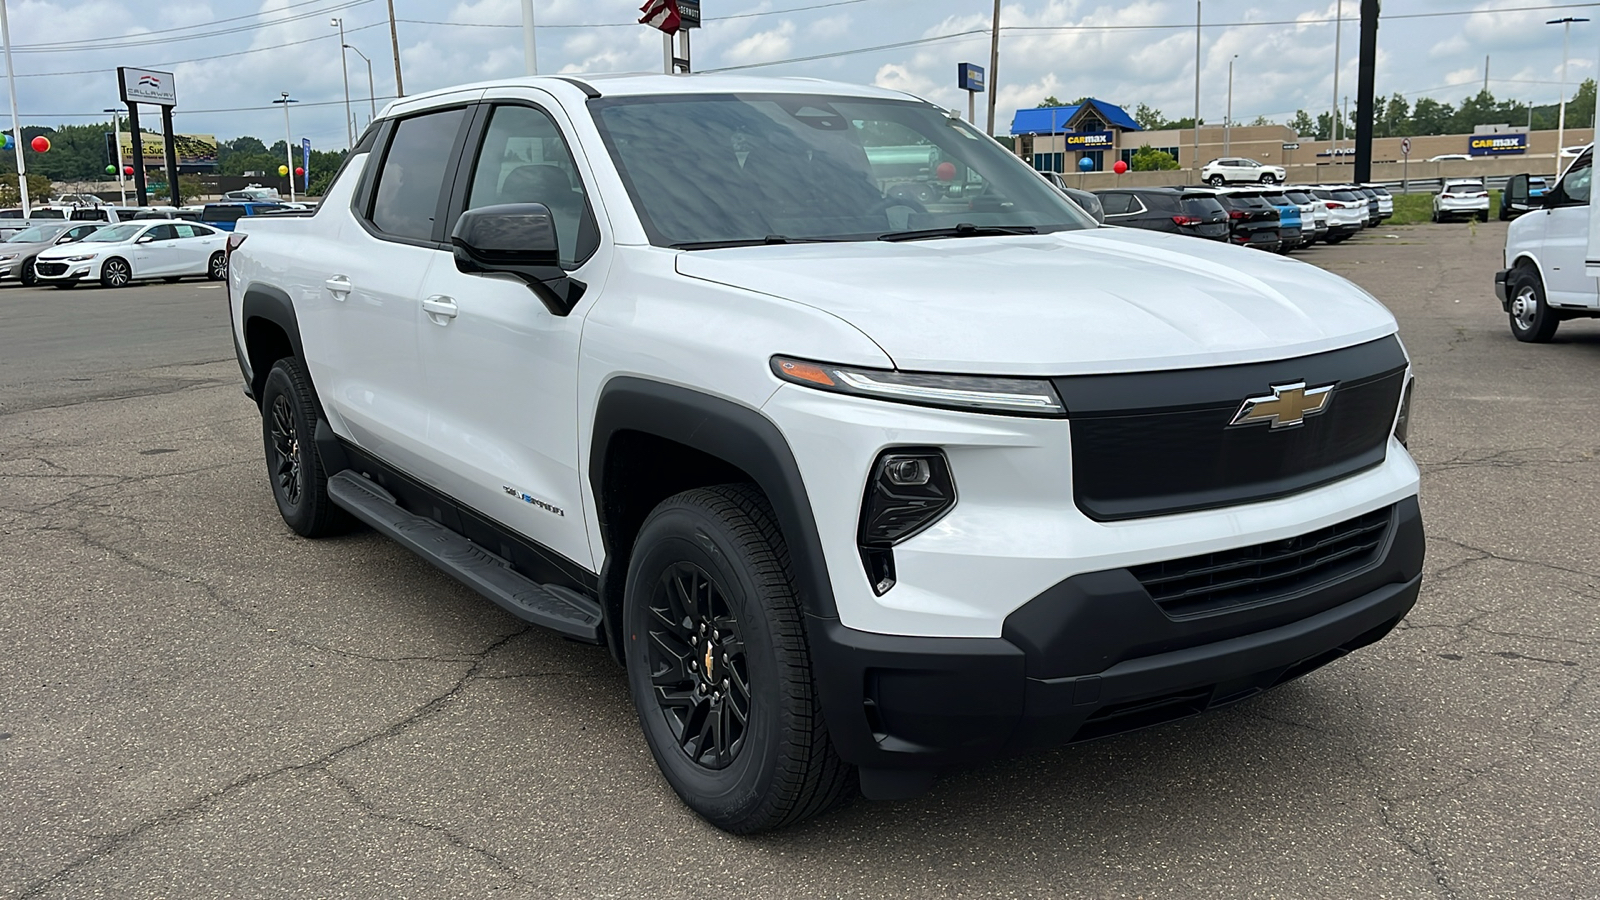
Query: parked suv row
x=1267, y=217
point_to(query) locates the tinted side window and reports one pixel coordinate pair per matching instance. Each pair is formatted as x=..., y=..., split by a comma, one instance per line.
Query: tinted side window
x=222, y=214
x=524, y=159
x=1114, y=204
x=413, y=173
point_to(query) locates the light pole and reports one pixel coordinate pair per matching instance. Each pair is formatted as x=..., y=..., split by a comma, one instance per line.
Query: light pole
x=372, y=94
x=1197, y=85
x=344, y=69
x=16, y=123
x=530, y=52
x=1227, y=122
x=116, y=136
x=1338, y=32
x=1561, y=119
x=288, y=140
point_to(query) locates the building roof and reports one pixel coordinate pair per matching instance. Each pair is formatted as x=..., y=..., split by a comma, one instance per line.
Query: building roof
x=1056, y=119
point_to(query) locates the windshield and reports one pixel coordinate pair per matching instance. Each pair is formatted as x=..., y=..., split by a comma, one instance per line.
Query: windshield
x=730, y=169
x=36, y=234
x=115, y=233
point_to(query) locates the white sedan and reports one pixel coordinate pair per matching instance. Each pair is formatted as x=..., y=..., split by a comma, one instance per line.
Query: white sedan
x=131, y=251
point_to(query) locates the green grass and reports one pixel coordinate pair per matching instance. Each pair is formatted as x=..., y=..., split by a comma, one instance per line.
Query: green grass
x=1410, y=209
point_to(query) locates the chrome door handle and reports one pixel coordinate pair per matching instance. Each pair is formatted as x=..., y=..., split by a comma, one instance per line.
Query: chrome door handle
x=440, y=309
x=339, y=286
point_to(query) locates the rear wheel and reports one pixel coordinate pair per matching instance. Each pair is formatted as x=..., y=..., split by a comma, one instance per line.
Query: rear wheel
x=25, y=273
x=217, y=268
x=1215, y=180
x=1269, y=178
x=115, y=273
x=289, y=414
x=718, y=665
x=1532, y=320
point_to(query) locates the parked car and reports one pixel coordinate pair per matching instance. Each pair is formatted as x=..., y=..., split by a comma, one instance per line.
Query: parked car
x=1252, y=221
x=18, y=251
x=1347, y=212
x=1385, y=201
x=117, y=255
x=1448, y=157
x=224, y=215
x=1312, y=210
x=1374, y=208
x=1086, y=200
x=1461, y=197
x=1233, y=168
x=254, y=192
x=856, y=488
x=1545, y=279
x=1194, y=213
x=1292, y=234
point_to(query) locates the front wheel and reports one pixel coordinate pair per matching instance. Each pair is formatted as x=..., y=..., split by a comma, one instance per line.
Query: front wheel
x=25, y=273
x=1215, y=181
x=1269, y=178
x=1532, y=320
x=718, y=665
x=217, y=268
x=115, y=272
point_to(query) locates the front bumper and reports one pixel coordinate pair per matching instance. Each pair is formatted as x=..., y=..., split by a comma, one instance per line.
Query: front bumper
x=1090, y=657
x=1500, y=291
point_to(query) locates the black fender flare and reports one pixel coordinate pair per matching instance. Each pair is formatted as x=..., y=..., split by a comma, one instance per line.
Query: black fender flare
x=262, y=301
x=733, y=433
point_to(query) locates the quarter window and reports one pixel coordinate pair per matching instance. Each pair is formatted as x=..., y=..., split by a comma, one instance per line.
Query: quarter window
x=407, y=196
x=525, y=160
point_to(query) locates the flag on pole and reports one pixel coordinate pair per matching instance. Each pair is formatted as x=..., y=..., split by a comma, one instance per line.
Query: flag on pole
x=661, y=14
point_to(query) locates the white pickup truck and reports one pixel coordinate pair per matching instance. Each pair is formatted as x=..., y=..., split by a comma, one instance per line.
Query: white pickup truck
x=1544, y=282
x=860, y=481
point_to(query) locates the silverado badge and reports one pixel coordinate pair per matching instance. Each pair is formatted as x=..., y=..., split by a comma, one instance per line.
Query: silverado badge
x=1288, y=405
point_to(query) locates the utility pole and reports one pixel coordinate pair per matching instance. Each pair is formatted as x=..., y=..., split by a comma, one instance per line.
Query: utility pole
x=1338, y=32
x=16, y=123
x=1365, y=85
x=530, y=52
x=288, y=141
x=344, y=70
x=1486, y=73
x=394, y=45
x=1197, y=85
x=1227, y=121
x=116, y=136
x=1561, y=119
x=994, y=63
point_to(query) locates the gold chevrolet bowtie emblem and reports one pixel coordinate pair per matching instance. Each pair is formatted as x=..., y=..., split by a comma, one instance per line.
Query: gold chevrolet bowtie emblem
x=1288, y=405
x=708, y=660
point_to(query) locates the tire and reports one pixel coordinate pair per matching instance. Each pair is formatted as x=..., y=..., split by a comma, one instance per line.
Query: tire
x=1269, y=178
x=115, y=273
x=1216, y=181
x=1482, y=216
x=289, y=414
x=1532, y=321
x=217, y=266
x=1436, y=219
x=25, y=273
x=711, y=563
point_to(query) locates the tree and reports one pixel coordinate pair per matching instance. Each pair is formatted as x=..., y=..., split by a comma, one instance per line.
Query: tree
x=1262, y=120
x=1150, y=118
x=1051, y=101
x=1302, y=124
x=1397, y=116
x=39, y=189
x=1429, y=116
x=1149, y=159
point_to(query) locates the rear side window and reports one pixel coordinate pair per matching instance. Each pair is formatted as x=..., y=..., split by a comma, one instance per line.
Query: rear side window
x=1159, y=202
x=222, y=214
x=406, y=198
x=1115, y=204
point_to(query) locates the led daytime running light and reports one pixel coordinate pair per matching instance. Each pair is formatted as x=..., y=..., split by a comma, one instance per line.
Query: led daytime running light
x=1014, y=396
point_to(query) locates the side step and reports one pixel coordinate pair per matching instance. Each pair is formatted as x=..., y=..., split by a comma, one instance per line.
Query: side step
x=556, y=608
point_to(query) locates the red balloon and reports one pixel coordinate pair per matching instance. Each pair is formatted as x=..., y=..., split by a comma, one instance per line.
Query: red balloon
x=946, y=171
x=299, y=171
x=41, y=144
x=127, y=170
x=1120, y=167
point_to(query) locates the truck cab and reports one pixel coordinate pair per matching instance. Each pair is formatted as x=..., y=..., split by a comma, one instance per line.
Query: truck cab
x=1544, y=283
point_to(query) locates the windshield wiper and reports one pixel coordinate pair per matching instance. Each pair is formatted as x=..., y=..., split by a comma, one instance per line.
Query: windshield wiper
x=747, y=242
x=962, y=229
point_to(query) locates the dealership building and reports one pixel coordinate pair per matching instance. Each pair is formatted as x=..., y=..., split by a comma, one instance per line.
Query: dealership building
x=1057, y=138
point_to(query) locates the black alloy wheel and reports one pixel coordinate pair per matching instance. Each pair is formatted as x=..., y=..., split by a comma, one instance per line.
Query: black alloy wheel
x=115, y=273
x=698, y=667
x=289, y=415
x=26, y=274
x=283, y=451
x=217, y=268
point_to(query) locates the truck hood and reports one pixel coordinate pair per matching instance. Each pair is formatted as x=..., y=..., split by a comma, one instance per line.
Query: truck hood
x=1103, y=300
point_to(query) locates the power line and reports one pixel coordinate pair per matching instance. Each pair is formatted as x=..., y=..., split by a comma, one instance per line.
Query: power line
x=838, y=53
x=139, y=39
x=99, y=40
x=749, y=15
x=179, y=62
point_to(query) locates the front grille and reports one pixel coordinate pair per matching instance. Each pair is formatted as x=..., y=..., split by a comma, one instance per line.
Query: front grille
x=1155, y=443
x=50, y=268
x=1247, y=576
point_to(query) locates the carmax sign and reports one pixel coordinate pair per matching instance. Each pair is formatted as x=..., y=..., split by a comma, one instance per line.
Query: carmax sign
x=1497, y=144
x=1089, y=140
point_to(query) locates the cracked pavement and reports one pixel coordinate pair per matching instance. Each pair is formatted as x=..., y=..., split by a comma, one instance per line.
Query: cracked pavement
x=199, y=704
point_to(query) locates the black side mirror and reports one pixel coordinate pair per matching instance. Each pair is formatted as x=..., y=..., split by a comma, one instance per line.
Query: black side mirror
x=516, y=239
x=1515, y=195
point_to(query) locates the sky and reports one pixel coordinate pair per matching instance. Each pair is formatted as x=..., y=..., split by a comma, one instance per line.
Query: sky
x=232, y=58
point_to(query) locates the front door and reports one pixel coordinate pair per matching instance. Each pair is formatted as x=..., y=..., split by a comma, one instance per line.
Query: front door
x=1566, y=239
x=501, y=367
x=155, y=253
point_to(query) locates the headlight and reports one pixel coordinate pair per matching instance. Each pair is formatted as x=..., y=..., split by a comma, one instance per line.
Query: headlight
x=84, y=258
x=1004, y=396
x=1402, y=421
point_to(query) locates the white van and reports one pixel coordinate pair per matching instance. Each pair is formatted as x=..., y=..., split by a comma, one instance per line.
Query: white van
x=1544, y=282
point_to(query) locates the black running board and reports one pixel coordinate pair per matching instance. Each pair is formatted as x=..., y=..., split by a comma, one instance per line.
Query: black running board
x=556, y=608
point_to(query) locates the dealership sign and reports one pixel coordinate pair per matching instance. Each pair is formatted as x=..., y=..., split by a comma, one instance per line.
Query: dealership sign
x=145, y=86
x=1497, y=144
x=969, y=77
x=1090, y=140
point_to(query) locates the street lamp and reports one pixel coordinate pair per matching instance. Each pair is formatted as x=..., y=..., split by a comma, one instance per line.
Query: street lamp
x=344, y=69
x=372, y=96
x=116, y=129
x=1227, y=121
x=1561, y=120
x=288, y=140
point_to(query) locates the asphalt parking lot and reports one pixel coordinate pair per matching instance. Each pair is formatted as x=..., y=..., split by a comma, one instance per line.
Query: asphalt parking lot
x=199, y=704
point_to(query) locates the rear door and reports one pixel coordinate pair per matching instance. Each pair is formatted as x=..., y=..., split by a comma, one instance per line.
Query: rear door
x=191, y=251
x=502, y=367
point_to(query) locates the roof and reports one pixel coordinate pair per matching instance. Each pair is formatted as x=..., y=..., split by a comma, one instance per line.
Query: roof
x=1055, y=119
